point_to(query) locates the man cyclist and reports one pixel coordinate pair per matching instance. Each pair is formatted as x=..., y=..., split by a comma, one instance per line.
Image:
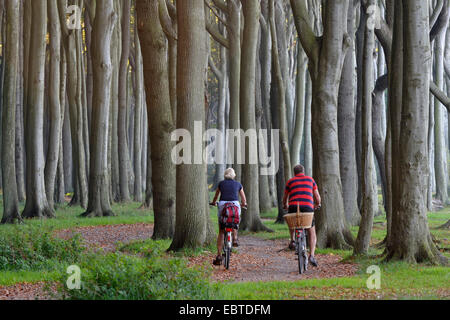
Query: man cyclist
x=229, y=191
x=302, y=191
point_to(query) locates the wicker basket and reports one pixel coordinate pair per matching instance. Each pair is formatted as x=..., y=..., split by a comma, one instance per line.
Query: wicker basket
x=299, y=220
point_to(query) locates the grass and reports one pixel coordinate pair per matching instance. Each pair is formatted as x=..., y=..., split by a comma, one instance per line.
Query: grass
x=398, y=280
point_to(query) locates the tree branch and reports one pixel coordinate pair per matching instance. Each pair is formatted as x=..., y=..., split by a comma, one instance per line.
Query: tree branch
x=441, y=21
x=224, y=22
x=263, y=23
x=214, y=31
x=436, y=13
x=214, y=69
x=221, y=5
x=172, y=10
x=304, y=29
x=440, y=95
x=166, y=21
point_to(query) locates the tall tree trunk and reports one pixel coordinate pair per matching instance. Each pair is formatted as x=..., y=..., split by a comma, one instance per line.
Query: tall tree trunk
x=99, y=192
x=369, y=199
x=395, y=109
x=190, y=230
x=36, y=204
x=346, y=124
x=299, y=128
x=251, y=220
x=265, y=203
x=154, y=52
x=138, y=114
x=11, y=65
x=116, y=50
x=71, y=40
x=124, y=158
x=282, y=113
x=51, y=164
x=412, y=241
x=440, y=149
x=326, y=62
x=234, y=36
x=308, y=124
x=20, y=143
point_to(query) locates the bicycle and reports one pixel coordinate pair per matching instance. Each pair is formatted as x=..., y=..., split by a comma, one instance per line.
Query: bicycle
x=227, y=242
x=301, y=225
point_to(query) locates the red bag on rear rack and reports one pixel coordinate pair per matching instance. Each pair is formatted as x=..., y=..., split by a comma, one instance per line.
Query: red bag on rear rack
x=229, y=217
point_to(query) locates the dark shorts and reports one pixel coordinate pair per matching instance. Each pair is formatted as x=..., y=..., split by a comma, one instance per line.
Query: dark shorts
x=293, y=209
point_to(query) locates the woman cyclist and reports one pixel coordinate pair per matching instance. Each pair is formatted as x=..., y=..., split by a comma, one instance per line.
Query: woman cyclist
x=229, y=191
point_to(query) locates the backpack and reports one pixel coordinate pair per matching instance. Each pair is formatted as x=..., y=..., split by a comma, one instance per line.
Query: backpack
x=229, y=217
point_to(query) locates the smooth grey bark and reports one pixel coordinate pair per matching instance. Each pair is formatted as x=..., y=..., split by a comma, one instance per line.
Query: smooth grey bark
x=369, y=196
x=114, y=149
x=411, y=239
x=440, y=150
x=60, y=188
x=71, y=41
x=124, y=159
x=299, y=127
x=346, y=125
x=36, y=205
x=251, y=220
x=265, y=203
x=191, y=216
x=326, y=58
x=99, y=192
x=163, y=171
x=308, y=138
x=379, y=122
x=11, y=66
x=20, y=137
x=138, y=115
x=54, y=108
x=266, y=80
x=281, y=100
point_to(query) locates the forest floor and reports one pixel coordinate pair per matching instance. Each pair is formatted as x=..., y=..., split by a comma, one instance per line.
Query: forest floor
x=261, y=268
x=256, y=260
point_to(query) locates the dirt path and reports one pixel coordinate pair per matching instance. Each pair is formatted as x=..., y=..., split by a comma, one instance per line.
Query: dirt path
x=108, y=237
x=267, y=260
x=255, y=260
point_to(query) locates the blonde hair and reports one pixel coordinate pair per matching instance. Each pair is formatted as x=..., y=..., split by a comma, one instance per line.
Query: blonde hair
x=230, y=174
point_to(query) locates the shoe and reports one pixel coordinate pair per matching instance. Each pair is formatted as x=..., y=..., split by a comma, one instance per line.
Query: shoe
x=218, y=261
x=236, y=244
x=313, y=261
x=292, y=246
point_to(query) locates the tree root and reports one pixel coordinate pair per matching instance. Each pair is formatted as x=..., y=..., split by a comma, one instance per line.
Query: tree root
x=97, y=214
x=445, y=226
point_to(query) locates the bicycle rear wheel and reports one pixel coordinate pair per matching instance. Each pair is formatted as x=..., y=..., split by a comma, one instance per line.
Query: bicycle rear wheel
x=301, y=263
x=227, y=257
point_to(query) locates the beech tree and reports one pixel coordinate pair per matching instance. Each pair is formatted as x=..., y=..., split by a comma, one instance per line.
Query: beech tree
x=161, y=123
x=412, y=241
x=326, y=58
x=191, y=216
x=11, y=64
x=99, y=196
x=36, y=202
